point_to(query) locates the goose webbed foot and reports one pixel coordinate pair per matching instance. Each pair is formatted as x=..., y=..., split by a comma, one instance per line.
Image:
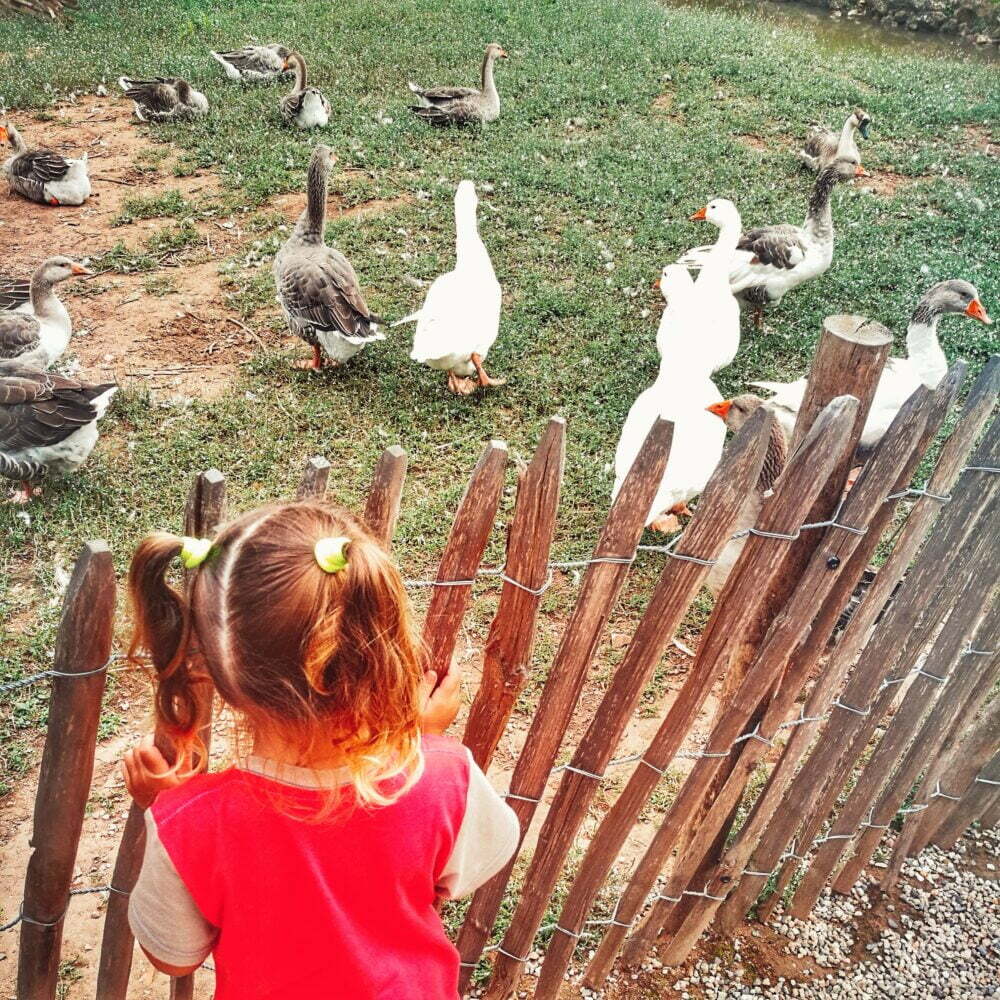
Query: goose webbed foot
x=24, y=495
x=313, y=364
x=681, y=510
x=461, y=386
x=484, y=379
x=758, y=316
x=665, y=523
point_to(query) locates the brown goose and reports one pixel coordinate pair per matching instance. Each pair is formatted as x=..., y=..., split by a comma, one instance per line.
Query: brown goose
x=42, y=175
x=254, y=63
x=39, y=336
x=48, y=424
x=821, y=147
x=164, y=98
x=736, y=412
x=305, y=106
x=462, y=105
x=316, y=285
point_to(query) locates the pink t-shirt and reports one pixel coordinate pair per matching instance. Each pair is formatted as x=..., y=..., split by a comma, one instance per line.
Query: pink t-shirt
x=342, y=907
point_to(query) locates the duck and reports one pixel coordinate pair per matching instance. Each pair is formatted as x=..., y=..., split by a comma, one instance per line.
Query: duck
x=682, y=396
x=48, y=423
x=925, y=363
x=459, y=320
x=164, y=98
x=462, y=105
x=772, y=260
x=40, y=336
x=254, y=63
x=316, y=285
x=15, y=294
x=822, y=144
x=715, y=310
x=734, y=413
x=44, y=176
x=305, y=106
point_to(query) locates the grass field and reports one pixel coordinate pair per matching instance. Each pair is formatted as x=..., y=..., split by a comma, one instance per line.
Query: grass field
x=619, y=121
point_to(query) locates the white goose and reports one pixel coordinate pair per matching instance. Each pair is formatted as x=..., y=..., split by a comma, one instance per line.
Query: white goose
x=677, y=288
x=925, y=363
x=40, y=335
x=460, y=318
x=42, y=175
x=772, y=260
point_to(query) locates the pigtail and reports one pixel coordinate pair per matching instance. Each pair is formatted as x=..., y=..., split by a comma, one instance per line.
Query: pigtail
x=163, y=628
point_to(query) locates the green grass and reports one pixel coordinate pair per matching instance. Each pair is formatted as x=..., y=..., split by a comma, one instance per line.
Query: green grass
x=170, y=203
x=578, y=217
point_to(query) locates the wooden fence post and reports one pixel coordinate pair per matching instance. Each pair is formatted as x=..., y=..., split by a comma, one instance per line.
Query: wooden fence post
x=789, y=652
x=981, y=799
x=511, y=639
x=316, y=474
x=83, y=648
x=795, y=492
x=599, y=590
x=768, y=854
x=386, y=493
x=923, y=717
x=470, y=533
x=704, y=538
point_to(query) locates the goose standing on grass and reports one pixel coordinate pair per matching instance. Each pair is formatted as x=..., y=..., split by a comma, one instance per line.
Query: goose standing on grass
x=462, y=105
x=164, y=98
x=460, y=318
x=15, y=294
x=822, y=144
x=317, y=287
x=925, y=363
x=254, y=63
x=42, y=175
x=48, y=424
x=735, y=413
x=772, y=260
x=305, y=106
x=38, y=338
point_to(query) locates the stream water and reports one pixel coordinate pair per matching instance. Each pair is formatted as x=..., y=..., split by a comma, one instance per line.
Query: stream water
x=840, y=33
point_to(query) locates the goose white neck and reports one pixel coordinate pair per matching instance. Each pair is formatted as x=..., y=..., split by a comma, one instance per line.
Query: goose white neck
x=467, y=241
x=17, y=143
x=720, y=257
x=847, y=132
x=924, y=351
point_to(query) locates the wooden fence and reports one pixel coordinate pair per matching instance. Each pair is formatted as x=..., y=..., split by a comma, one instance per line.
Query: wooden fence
x=895, y=706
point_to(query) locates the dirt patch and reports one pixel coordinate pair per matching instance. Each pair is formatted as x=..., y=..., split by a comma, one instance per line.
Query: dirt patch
x=884, y=183
x=756, y=142
x=664, y=105
x=982, y=139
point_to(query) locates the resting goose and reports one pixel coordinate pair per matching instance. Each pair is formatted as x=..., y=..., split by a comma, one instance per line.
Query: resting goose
x=254, y=63
x=42, y=175
x=305, y=106
x=460, y=317
x=164, y=98
x=38, y=338
x=822, y=144
x=15, y=294
x=772, y=260
x=682, y=396
x=317, y=287
x=925, y=363
x=48, y=423
x=735, y=413
x=462, y=105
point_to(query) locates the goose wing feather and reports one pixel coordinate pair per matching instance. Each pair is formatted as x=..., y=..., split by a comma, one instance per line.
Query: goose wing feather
x=40, y=165
x=19, y=333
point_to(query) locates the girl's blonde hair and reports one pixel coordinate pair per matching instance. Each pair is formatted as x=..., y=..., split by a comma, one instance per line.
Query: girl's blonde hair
x=326, y=660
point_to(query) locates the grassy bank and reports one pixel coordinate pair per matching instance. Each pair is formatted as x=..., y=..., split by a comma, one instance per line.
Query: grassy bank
x=619, y=121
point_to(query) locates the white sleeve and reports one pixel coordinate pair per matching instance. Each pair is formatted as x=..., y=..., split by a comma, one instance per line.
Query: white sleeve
x=161, y=912
x=487, y=838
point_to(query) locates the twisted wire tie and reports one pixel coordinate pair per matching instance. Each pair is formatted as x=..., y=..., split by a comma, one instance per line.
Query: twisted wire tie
x=667, y=899
x=980, y=468
x=575, y=935
x=750, y=871
x=819, y=841
x=837, y=703
x=668, y=550
x=23, y=918
x=534, y=591
x=835, y=523
x=803, y=719
x=970, y=650
x=938, y=794
x=917, y=807
x=661, y=771
x=704, y=894
x=515, y=958
x=930, y=677
x=755, y=735
x=986, y=781
x=46, y=674
x=871, y=824
x=919, y=492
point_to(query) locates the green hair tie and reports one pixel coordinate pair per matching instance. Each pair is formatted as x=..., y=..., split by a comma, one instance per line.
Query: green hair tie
x=194, y=551
x=329, y=553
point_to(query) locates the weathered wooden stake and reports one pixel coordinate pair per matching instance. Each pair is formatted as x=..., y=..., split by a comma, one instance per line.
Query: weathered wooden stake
x=463, y=553
x=599, y=590
x=386, y=493
x=794, y=494
x=83, y=647
x=312, y=485
x=981, y=799
x=511, y=638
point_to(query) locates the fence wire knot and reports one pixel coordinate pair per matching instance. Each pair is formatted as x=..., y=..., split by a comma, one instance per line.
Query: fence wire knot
x=986, y=781
x=755, y=735
x=871, y=824
x=970, y=650
x=864, y=712
x=939, y=794
x=704, y=894
x=534, y=591
x=930, y=677
x=668, y=550
x=918, y=492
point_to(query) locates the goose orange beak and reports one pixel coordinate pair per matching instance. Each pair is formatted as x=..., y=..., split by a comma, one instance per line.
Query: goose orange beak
x=656, y=284
x=80, y=269
x=503, y=54
x=699, y=216
x=721, y=410
x=859, y=171
x=976, y=311
x=4, y=134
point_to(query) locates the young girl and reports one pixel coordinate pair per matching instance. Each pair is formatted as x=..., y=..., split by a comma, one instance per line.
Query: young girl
x=312, y=867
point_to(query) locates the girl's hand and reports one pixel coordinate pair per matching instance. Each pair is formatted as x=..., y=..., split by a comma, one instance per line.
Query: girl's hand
x=441, y=703
x=147, y=773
